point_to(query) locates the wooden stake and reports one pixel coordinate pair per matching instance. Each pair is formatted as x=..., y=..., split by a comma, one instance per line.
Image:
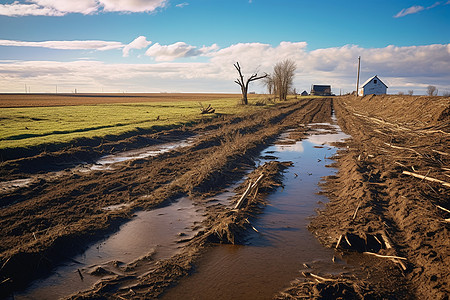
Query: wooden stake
x=386, y=240
x=359, y=204
x=403, y=148
x=427, y=178
x=317, y=277
x=444, y=209
x=440, y=152
x=244, y=195
x=385, y=256
x=346, y=239
x=339, y=241
x=379, y=242
x=248, y=191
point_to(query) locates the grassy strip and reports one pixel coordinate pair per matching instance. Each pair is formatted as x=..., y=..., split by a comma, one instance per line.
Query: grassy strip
x=34, y=126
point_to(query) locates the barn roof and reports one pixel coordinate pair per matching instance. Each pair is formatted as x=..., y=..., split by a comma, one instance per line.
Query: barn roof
x=320, y=88
x=370, y=79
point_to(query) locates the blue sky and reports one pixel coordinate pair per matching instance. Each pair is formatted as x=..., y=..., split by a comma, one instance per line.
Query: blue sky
x=190, y=46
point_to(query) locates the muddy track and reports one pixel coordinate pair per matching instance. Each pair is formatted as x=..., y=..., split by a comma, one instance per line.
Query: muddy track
x=55, y=218
x=377, y=206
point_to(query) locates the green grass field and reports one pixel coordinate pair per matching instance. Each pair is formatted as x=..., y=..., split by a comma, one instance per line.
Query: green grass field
x=26, y=127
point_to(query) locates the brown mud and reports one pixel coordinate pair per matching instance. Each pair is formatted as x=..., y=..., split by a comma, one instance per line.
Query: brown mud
x=374, y=208
x=377, y=208
x=49, y=221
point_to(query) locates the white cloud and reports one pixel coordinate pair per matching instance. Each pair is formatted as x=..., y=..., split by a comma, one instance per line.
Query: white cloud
x=69, y=6
x=402, y=68
x=177, y=50
x=66, y=45
x=138, y=43
x=181, y=5
x=132, y=5
x=410, y=10
x=17, y=9
x=63, y=7
x=434, y=5
x=417, y=8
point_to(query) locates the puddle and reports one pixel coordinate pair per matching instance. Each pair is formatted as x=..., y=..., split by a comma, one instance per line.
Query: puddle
x=156, y=233
x=270, y=259
x=104, y=163
x=7, y=186
x=263, y=266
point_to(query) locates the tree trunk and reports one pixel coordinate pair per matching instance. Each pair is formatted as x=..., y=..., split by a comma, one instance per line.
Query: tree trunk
x=244, y=85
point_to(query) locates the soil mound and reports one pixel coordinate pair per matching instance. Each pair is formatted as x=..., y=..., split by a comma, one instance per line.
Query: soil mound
x=391, y=195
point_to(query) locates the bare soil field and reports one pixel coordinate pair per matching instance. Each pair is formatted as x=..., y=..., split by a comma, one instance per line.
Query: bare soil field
x=35, y=100
x=56, y=216
x=376, y=203
x=390, y=197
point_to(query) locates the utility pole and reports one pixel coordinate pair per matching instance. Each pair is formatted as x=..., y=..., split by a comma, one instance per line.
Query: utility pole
x=357, y=79
x=56, y=89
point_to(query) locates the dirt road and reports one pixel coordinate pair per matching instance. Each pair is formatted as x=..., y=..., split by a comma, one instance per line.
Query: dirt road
x=57, y=216
x=388, y=198
x=378, y=206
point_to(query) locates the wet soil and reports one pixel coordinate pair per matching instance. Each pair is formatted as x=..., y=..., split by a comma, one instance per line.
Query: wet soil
x=375, y=206
x=282, y=246
x=47, y=222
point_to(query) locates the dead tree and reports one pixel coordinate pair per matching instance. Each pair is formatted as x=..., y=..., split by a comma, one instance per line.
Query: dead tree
x=244, y=85
x=207, y=110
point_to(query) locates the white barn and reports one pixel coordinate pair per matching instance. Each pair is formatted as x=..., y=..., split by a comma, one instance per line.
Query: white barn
x=373, y=86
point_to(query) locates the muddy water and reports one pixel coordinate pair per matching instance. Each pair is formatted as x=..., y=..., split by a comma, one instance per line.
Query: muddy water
x=276, y=255
x=104, y=163
x=153, y=234
x=268, y=260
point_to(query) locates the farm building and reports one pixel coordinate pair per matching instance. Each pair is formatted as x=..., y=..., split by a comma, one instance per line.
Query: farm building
x=304, y=93
x=321, y=90
x=373, y=86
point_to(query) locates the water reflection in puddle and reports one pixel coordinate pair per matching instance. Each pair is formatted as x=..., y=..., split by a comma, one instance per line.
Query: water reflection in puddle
x=104, y=163
x=155, y=233
x=273, y=257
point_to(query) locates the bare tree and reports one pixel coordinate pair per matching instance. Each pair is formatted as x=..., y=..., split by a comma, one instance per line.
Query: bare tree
x=244, y=84
x=268, y=82
x=283, y=77
x=432, y=90
x=294, y=92
x=410, y=92
x=400, y=93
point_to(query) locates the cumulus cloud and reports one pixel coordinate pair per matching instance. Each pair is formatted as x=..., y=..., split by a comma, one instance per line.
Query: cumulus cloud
x=17, y=9
x=69, y=6
x=177, y=50
x=63, y=7
x=138, y=43
x=132, y=6
x=66, y=45
x=402, y=68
